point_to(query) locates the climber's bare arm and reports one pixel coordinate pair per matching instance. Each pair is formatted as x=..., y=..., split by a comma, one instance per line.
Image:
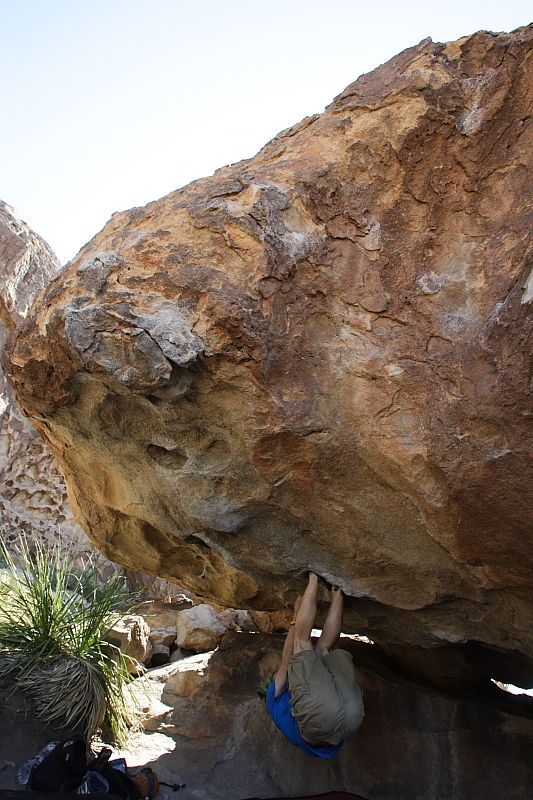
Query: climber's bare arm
x=280, y=678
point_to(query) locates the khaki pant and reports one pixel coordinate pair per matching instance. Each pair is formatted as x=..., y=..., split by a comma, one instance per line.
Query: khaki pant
x=326, y=700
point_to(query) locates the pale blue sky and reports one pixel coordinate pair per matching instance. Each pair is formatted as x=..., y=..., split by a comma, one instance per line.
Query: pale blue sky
x=108, y=104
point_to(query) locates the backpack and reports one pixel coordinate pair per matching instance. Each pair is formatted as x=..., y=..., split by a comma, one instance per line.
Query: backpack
x=66, y=767
x=60, y=766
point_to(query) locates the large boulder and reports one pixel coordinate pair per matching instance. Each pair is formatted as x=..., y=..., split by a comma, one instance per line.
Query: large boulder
x=316, y=359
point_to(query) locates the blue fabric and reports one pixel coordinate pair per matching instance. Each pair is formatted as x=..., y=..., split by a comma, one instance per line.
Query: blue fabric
x=279, y=709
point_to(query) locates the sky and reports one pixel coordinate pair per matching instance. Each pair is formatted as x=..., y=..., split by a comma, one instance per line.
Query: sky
x=108, y=104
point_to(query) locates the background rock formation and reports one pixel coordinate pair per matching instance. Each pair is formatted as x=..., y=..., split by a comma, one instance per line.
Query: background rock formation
x=317, y=359
x=33, y=497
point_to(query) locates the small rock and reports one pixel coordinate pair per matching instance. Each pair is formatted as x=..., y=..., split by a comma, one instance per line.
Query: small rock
x=188, y=675
x=199, y=629
x=160, y=655
x=131, y=633
x=164, y=636
x=176, y=655
x=159, y=614
x=272, y=621
x=237, y=620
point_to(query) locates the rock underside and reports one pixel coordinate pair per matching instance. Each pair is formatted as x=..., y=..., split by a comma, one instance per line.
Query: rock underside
x=317, y=359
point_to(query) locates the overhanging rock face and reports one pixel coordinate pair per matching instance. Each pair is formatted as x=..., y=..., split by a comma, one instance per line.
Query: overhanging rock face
x=316, y=359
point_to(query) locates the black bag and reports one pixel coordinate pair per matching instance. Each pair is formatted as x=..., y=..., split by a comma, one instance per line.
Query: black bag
x=142, y=786
x=67, y=769
x=120, y=783
x=115, y=781
x=64, y=766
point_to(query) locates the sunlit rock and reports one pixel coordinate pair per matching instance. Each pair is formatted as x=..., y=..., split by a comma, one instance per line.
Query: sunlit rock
x=316, y=359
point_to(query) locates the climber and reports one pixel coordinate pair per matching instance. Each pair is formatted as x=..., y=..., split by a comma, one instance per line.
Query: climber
x=314, y=698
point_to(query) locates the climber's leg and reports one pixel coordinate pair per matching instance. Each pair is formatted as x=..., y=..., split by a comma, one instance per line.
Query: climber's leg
x=333, y=623
x=280, y=677
x=305, y=618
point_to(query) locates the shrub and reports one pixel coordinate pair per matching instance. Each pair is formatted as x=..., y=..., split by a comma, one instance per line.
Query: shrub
x=53, y=623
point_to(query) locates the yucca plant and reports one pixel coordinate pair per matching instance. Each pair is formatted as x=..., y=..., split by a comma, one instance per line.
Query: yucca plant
x=53, y=624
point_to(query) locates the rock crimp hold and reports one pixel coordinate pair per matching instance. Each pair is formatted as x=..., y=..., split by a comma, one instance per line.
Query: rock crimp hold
x=317, y=359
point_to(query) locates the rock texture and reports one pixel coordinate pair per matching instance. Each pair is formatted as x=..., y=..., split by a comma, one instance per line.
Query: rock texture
x=413, y=743
x=132, y=634
x=317, y=359
x=33, y=496
x=199, y=629
x=28, y=266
